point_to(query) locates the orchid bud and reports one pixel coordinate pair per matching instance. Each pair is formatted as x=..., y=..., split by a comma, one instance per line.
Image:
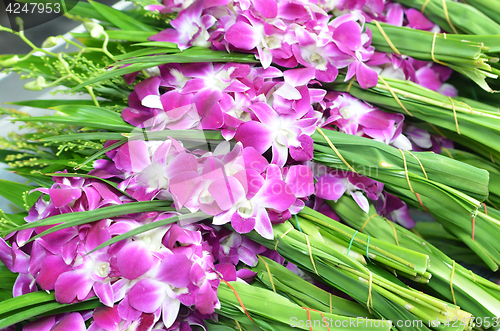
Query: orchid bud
x=50, y=42
x=10, y=61
x=96, y=30
x=36, y=85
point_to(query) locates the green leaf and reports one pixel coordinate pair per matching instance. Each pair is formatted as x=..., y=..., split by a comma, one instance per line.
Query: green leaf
x=26, y=300
x=13, y=192
x=83, y=217
x=83, y=115
x=120, y=19
x=26, y=313
x=134, y=36
x=50, y=103
x=83, y=136
x=165, y=44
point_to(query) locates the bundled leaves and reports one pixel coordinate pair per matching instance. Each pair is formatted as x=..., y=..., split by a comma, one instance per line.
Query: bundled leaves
x=468, y=290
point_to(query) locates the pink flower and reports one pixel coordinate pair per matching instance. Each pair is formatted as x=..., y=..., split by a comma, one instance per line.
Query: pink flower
x=70, y=321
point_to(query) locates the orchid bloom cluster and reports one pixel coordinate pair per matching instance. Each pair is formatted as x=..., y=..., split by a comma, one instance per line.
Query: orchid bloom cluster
x=287, y=33
x=162, y=279
x=262, y=108
x=150, y=274
x=236, y=186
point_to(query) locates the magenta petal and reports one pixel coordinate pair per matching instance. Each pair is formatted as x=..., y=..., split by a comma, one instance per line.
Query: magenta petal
x=226, y=191
x=242, y=36
x=348, y=34
x=227, y=270
x=52, y=267
x=72, y=285
x=254, y=160
x=24, y=284
x=303, y=152
x=43, y=324
x=366, y=76
x=299, y=77
x=395, y=14
x=206, y=299
x=300, y=180
x=267, y=8
x=148, y=87
x=263, y=111
x=246, y=275
x=183, y=186
x=147, y=295
x=134, y=260
x=263, y=224
x=107, y=318
x=174, y=270
x=330, y=187
x=254, y=134
x=428, y=78
x=133, y=156
x=208, y=107
x=275, y=194
x=73, y=322
x=417, y=20
x=126, y=311
x=62, y=197
x=242, y=225
x=247, y=256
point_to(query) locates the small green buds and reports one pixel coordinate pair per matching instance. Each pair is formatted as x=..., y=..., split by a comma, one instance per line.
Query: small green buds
x=50, y=42
x=10, y=61
x=95, y=29
x=36, y=85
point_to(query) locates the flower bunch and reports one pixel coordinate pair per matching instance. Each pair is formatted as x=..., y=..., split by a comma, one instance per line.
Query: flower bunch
x=237, y=186
x=242, y=101
x=149, y=274
x=286, y=33
x=200, y=166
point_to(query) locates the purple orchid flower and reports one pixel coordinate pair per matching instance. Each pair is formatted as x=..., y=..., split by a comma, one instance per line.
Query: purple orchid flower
x=189, y=28
x=395, y=210
x=285, y=32
x=69, y=321
x=249, y=196
x=331, y=185
x=109, y=319
x=235, y=248
x=282, y=132
x=424, y=141
x=355, y=117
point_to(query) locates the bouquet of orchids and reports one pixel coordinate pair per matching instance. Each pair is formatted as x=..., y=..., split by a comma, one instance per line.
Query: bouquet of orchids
x=257, y=164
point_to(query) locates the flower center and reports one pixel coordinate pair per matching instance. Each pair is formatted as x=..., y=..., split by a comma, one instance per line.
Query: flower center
x=206, y=197
x=246, y=209
x=102, y=269
x=319, y=61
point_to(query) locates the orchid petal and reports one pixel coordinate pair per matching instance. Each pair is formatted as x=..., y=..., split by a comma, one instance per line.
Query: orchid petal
x=134, y=260
x=147, y=295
